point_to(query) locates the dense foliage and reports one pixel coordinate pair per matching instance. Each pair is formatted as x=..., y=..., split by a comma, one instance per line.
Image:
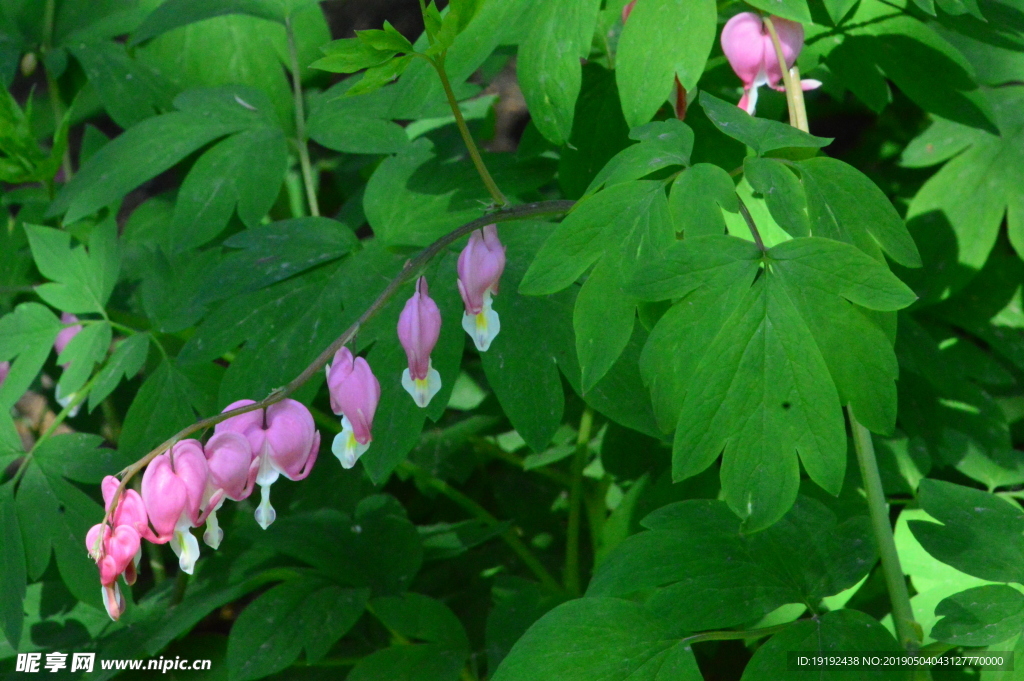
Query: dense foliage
x=752, y=383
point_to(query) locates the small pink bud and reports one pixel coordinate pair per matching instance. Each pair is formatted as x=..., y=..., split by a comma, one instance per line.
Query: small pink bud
x=419, y=327
x=5, y=368
x=627, y=10
x=355, y=393
x=172, y=488
x=283, y=440
x=480, y=266
x=748, y=47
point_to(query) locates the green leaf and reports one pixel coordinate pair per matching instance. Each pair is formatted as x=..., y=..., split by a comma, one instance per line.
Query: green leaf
x=317, y=614
x=598, y=638
x=981, y=534
x=698, y=197
x=662, y=41
x=88, y=348
x=54, y=513
x=549, y=63
x=595, y=224
x=26, y=336
x=12, y=569
x=82, y=281
x=598, y=131
x=697, y=568
x=418, y=617
x=341, y=125
x=782, y=192
x=770, y=332
x=78, y=456
x=141, y=153
x=126, y=361
x=388, y=39
x=377, y=547
x=794, y=10
x=421, y=618
x=378, y=76
x=981, y=616
x=167, y=401
x=840, y=631
x=349, y=55
x=176, y=13
x=270, y=253
x=837, y=9
x=244, y=170
x=844, y=204
x=663, y=144
x=518, y=603
x=130, y=91
x=760, y=134
x=603, y=322
x=966, y=200
x=522, y=363
x=417, y=196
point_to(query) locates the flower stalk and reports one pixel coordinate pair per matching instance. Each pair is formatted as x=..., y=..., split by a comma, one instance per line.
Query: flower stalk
x=300, y=121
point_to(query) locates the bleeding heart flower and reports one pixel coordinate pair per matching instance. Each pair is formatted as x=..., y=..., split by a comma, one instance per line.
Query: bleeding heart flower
x=355, y=393
x=232, y=474
x=419, y=327
x=480, y=266
x=749, y=49
x=172, y=488
x=116, y=555
x=283, y=440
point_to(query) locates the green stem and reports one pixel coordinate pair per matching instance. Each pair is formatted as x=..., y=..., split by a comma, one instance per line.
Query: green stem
x=907, y=629
x=410, y=271
x=300, y=121
x=474, y=153
x=749, y=219
x=572, y=543
x=52, y=87
x=482, y=514
x=735, y=635
x=787, y=77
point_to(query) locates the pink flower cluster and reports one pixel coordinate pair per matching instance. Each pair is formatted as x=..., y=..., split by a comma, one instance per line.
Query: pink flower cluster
x=185, y=486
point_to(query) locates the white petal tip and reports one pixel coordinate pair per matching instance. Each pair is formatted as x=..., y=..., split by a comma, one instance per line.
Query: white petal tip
x=346, y=447
x=422, y=390
x=265, y=513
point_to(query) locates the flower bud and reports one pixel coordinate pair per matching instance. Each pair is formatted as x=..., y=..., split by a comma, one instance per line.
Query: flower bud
x=67, y=333
x=480, y=266
x=748, y=46
x=5, y=368
x=419, y=327
x=283, y=440
x=355, y=393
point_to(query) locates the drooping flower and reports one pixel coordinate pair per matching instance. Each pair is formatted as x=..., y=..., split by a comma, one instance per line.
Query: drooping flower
x=748, y=47
x=480, y=266
x=172, y=489
x=283, y=440
x=116, y=557
x=232, y=474
x=117, y=551
x=355, y=393
x=419, y=327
